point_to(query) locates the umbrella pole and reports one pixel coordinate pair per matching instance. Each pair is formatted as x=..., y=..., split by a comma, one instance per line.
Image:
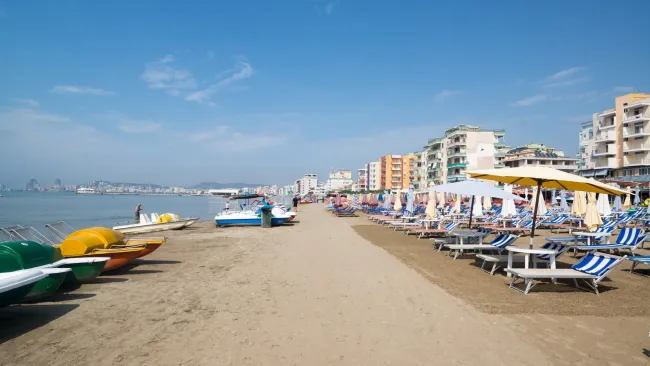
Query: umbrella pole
x=471, y=211
x=532, y=230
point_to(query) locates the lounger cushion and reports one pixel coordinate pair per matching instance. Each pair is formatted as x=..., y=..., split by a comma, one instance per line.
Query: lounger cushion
x=549, y=273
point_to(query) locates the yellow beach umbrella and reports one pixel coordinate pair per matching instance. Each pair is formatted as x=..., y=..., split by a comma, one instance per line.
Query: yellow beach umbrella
x=592, y=217
x=544, y=177
x=398, y=201
x=628, y=203
x=579, y=207
x=431, y=210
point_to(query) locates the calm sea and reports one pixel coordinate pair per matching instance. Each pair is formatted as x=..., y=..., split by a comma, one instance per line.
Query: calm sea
x=37, y=209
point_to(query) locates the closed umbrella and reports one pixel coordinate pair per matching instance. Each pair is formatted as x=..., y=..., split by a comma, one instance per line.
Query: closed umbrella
x=410, y=198
x=618, y=205
x=541, y=207
x=637, y=199
x=477, y=209
x=508, y=208
x=487, y=203
x=554, y=201
x=603, y=205
x=627, y=204
x=579, y=207
x=526, y=196
x=543, y=177
x=592, y=218
x=457, y=204
x=563, y=204
x=440, y=197
x=431, y=210
x=398, y=202
x=386, y=201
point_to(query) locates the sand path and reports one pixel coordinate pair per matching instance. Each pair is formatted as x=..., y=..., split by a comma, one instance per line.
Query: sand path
x=315, y=293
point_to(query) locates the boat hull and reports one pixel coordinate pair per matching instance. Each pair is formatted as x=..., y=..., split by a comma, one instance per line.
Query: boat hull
x=84, y=272
x=14, y=286
x=46, y=286
x=118, y=258
x=150, y=228
x=253, y=221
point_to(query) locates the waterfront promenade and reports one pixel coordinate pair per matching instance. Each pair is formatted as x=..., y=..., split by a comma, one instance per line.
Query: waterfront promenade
x=315, y=293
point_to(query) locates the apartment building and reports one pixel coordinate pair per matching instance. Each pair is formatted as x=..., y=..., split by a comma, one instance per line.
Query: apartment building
x=585, y=145
x=417, y=176
x=620, y=144
x=539, y=155
x=338, y=180
x=362, y=178
x=472, y=148
x=306, y=184
x=435, y=168
x=374, y=175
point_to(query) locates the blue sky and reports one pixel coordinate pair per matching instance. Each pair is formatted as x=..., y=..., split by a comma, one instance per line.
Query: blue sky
x=263, y=91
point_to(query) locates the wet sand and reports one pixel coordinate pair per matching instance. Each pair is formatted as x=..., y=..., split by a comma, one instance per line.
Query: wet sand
x=315, y=293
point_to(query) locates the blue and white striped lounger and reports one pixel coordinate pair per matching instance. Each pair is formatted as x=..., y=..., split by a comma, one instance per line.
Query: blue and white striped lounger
x=498, y=243
x=629, y=238
x=591, y=269
x=639, y=259
x=500, y=259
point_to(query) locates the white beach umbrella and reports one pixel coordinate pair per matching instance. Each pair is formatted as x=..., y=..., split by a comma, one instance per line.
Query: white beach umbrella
x=477, y=209
x=526, y=196
x=431, y=210
x=508, y=208
x=603, y=205
x=386, y=200
x=554, y=201
x=541, y=207
x=592, y=218
x=618, y=205
x=457, y=203
x=637, y=198
x=398, y=201
x=487, y=202
x=563, y=204
x=440, y=197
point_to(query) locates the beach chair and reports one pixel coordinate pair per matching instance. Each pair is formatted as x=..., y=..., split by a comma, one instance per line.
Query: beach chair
x=628, y=239
x=498, y=260
x=423, y=233
x=497, y=244
x=591, y=269
x=639, y=259
x=571, y=239
x=558, y=221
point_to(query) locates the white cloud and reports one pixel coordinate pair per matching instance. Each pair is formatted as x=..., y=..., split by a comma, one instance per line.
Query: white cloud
x=325, y=9
x=242, y=70
x=444, y=94
x=76, y=89
x=130, y=125
x=564, y=78
x=622, y=89
x=329, y=7
x=529, y=101
x=26, y=102
x=225, y=139
x=160, y=75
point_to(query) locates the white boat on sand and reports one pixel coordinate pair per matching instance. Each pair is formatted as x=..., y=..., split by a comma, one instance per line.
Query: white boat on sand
x=146, y=225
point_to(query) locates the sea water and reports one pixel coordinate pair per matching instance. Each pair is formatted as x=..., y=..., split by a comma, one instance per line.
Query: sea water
x=86, y=210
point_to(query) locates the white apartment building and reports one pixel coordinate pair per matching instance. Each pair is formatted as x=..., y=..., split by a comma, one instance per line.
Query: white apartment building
x=621, y=140
x=374, y=175
x=306, y=184
x=585, y=146
x=539, y=155
x=362, y=178
x=339, y=180
x=472, y=148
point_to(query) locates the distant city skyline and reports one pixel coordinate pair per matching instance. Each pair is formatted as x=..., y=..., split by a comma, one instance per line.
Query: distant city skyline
x=193, y=92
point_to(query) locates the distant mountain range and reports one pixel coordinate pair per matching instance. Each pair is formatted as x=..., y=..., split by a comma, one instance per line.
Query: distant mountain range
x=215, y=185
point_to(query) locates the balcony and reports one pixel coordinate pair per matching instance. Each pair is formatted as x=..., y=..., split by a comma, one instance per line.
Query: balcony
x=456, y=165
x=607, y=136
x=456, y=177
x=499, y=155
x=609, y=151
x=456, y=142
x=499, y=165
x=460, y=153
x=635, y=118
x=607, y=126
x=636, y=162
x=634, y=147
x=609, y=112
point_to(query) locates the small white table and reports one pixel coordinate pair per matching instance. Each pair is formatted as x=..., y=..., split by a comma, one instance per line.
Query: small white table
x=460, y=234
x=504, y=220
x=527, y=252
x=589, y=235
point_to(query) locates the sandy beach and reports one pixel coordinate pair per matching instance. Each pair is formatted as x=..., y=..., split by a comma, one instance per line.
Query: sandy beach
x=324, y=291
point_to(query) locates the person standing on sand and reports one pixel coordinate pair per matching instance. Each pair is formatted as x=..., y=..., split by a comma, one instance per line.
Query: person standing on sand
x=295, y=203
x=138, y=208
x=227, y=206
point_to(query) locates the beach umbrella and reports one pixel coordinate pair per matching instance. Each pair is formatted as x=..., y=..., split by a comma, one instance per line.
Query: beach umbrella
x=526, y=196
x=539, y=176
x=440, y=197
x=563, y=204
x=508, y=208
x=386, y=201
x=380, y=197
x=637, y=198
x=487, y=202
x=603, y=205
x=410, y=197
x=541, y=207
x=457, y=204
x=618, y=205
x=398, y=201
x=474, y=187
x=627, y=204
x=579, y=207
x=592, y=218
x=553, y=198
x=431, y=210
x=477, y=208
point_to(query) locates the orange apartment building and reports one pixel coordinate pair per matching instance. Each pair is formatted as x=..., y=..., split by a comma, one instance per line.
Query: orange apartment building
x=397, y=171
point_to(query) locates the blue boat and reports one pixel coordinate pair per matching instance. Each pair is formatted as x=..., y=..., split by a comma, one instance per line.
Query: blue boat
x=250, y=216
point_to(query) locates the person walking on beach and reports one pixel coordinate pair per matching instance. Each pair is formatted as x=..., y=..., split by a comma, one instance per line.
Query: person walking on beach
x=138, y=208
x=295, y=203
x=227, y=206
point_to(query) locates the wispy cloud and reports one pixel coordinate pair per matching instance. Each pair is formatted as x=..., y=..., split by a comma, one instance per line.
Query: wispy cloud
x=444, y=94
x=622, y=89
x=76, y=89
x=241, y=71
x=563, y=78
x=161, y=75
x=530, y=101
x=325, y=7
x=130, y=125
x=26, y=102
x=225, y=139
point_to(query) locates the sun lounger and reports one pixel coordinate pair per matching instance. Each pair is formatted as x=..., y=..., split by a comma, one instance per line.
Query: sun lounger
x=628, y=239
x=498, y=244
x=591, y=269
x=499, y=260
x=571, y=239
x=422, y=233
x=639, y=259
